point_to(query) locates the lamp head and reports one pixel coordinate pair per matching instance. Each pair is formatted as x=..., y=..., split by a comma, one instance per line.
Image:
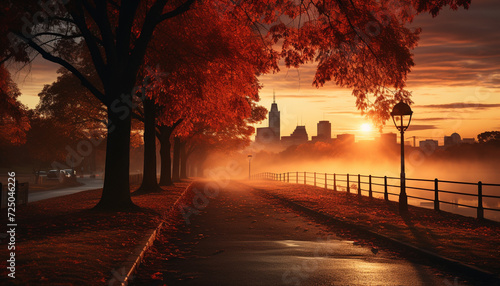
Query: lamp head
x=401, y=115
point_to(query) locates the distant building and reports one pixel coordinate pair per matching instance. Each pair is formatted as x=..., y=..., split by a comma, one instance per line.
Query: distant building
x=324, y=131
x=387, y=139
x=265, y=135
x=428, y=146
x=271, y=134
x=346, y=138
x=274, y=120
x=468, y=141
x=299, y=136
x=452, y=140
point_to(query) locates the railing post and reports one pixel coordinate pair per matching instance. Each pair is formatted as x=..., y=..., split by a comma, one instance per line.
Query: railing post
x=315, y=179
x=359, y=185
x=304, y=178
x=480, y=210
x=370, y=193
x=348, y=187
x=326, y=183
x=436, y=195
x=334, y=182
x=288, y=177
x=1, y=193
x=386, y=194
x=296, y=177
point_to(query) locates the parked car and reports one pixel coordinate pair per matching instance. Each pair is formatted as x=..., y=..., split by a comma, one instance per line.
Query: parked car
x=53, y=174
x=69, y=173
x=41, y=173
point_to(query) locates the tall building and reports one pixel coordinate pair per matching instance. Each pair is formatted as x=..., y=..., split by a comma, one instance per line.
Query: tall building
x=299, y=136
x=274, y=119
x=324, y=131
x=271, y=134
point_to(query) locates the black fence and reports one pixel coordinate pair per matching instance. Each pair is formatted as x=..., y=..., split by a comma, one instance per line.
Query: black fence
x=20, y=194
x=435, y=192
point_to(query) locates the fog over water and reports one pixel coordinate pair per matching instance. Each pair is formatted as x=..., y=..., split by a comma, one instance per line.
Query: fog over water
x=464, y=164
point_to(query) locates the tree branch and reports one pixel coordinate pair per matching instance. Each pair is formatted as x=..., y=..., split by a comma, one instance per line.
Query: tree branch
x=80, y=22
x=48, y=56
x=177, y=11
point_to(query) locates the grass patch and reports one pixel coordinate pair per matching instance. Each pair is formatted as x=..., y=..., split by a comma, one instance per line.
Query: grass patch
x=61, y=241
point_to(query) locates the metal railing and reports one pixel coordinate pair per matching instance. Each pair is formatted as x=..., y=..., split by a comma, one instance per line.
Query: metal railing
x=384, y=185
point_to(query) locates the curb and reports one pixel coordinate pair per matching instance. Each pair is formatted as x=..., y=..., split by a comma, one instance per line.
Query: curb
x=484, y=275
x=137, y=256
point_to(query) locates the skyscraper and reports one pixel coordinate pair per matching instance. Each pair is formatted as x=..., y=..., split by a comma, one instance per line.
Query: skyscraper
x=274, y=119
x=324, y=131
x=271, y=134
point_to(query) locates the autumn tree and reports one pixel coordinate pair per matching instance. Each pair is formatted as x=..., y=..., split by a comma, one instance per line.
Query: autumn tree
x=211, y=64
x=117, y=34
x=67, y=101
x=492, y=137
x=14, y=122
x=362, y=45
x=223, y=136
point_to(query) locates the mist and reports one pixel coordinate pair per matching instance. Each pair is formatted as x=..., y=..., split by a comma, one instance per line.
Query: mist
x=465, y=163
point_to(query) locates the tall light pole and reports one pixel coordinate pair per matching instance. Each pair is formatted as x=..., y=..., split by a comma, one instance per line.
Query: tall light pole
x=249, y=160
x=401, y=116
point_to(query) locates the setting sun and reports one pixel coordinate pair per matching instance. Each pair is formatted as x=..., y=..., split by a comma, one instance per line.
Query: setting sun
x=366, y=127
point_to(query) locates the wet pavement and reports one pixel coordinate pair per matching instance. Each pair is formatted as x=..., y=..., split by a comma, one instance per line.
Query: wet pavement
x=241, y=238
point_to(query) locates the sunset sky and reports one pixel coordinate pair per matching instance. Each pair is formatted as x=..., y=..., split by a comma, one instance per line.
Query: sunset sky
x=455, y=83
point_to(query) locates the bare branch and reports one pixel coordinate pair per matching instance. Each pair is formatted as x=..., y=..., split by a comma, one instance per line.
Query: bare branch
x=48, y=56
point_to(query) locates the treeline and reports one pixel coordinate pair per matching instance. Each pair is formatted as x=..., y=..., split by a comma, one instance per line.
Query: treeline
x=187, y=70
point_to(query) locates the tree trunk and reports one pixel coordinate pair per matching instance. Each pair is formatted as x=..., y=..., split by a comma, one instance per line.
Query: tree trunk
x=166, y=168
x=176, y=161
x=199, y=163
x=116, y=191
x=149, y=180
x=184, y=158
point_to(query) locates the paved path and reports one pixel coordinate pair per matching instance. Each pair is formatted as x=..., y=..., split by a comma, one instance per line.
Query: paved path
x=242, y=238
x=89, y=184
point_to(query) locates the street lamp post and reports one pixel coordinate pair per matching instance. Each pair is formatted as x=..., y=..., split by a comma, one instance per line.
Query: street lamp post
x=249, y=160
x=401, y=116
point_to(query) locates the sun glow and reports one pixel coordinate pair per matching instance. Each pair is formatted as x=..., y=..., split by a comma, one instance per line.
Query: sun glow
x=366, y=127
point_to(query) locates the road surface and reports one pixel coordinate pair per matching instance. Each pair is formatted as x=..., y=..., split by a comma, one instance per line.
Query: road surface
x=241, y=238
x=89, y=184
